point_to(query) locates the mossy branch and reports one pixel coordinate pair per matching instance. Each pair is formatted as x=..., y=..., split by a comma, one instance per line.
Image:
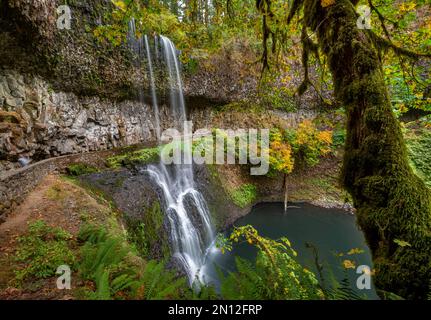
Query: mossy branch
x=382, y=43
x=382, y=19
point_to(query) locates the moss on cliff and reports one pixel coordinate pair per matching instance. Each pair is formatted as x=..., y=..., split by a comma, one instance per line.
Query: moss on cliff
x=141, y=156
x=78, y=169
x=245, y=195
x=148, y=234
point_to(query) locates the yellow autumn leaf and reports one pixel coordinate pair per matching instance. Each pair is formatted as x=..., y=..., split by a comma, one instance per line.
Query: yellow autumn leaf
x=355, y=251
x=119, y=4
x=348, y=264
x=325, y=137
x=327, y=3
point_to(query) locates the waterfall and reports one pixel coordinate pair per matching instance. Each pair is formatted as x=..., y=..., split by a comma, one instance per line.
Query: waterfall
x=153, y=88
x=188, y=216
x=176, y=92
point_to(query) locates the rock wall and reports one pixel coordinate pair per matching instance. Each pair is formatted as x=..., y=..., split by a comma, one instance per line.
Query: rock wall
x=38, y=123
x=16, y=184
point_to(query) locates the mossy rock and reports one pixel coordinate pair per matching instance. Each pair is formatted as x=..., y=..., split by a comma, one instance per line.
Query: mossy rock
x=148, y=234
x=79, y=169
x=142, y=156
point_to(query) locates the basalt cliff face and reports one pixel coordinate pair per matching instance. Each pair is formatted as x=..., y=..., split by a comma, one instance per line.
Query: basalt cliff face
x=38, y=123
x=63, y=91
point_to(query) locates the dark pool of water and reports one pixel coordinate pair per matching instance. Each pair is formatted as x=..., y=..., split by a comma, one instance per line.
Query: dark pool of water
x=330, y=231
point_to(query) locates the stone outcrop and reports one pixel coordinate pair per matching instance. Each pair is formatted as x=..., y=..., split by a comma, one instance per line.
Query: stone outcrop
x=38, y=123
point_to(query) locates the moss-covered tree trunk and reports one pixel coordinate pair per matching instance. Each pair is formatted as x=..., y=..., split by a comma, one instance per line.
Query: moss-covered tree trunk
x=392, y=202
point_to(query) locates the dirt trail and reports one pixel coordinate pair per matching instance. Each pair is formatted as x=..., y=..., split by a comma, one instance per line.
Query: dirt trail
x=16, y=223
x=59, y=203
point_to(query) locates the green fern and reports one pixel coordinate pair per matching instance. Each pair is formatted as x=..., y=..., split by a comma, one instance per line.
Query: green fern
x=342, y=291
x=123, y=282
x=385, y=295
x=107, y=261
x=158, y=283
x=103, y=286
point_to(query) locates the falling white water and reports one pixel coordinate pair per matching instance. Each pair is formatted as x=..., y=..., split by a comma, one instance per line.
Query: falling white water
x=153, y=88
x=176, y=93
x=191, y=229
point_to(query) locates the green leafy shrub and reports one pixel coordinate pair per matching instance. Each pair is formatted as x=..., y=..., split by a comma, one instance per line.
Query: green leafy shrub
x=276, y=275
x=42, y=251
x=244, y=195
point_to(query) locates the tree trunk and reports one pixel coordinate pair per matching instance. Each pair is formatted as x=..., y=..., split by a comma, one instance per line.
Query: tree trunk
x=392, y=202
x=206, y=15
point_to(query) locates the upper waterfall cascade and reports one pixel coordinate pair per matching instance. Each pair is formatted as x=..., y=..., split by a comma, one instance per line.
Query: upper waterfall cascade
x=191, y=229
